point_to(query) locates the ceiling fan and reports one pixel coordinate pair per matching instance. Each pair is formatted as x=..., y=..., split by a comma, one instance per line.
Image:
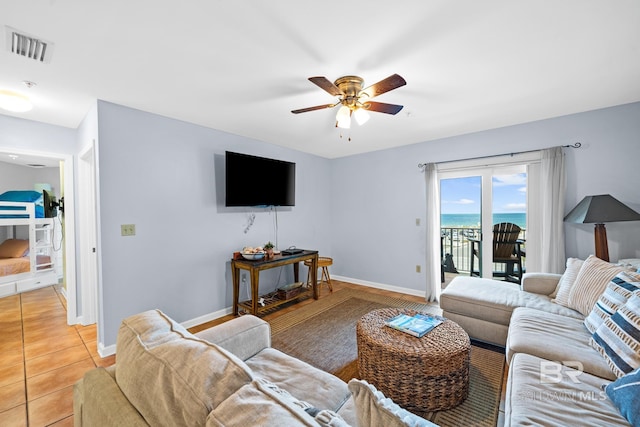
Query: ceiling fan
x=355, y=100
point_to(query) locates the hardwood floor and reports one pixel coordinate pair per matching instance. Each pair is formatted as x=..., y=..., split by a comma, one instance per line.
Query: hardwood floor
x=324, y=291
x=41, y=357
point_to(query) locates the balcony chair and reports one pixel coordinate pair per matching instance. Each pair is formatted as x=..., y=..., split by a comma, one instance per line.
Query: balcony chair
x=507, y=250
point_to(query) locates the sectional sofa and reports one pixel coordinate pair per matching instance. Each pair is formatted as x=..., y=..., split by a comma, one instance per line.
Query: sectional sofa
x=568, y=364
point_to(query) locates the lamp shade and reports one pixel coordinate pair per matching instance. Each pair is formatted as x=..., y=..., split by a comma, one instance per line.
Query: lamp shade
x=343, y=118
x=361, y=116
x=601, y=209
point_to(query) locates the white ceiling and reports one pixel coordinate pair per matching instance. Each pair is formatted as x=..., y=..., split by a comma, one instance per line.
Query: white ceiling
x=242, y=66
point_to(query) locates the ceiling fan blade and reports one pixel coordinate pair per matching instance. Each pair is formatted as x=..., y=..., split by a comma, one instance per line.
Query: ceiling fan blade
x=326, y=85
x=381, y=107
x=317, y=107
x=392, y=82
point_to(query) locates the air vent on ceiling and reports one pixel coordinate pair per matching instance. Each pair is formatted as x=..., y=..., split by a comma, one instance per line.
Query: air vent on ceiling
x=28, y=46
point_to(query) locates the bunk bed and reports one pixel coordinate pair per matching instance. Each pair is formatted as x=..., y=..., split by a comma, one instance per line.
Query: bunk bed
x=26, y=248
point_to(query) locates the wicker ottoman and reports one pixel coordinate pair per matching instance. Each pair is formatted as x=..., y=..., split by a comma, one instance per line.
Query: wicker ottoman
x=420, y=374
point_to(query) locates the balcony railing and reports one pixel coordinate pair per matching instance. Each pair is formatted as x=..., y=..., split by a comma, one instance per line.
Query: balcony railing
x=456, y=242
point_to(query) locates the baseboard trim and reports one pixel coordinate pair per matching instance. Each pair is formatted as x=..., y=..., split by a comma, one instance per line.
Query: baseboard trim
x=111, y=349
x=207, y=317
x=106, y=351
x=383, y=286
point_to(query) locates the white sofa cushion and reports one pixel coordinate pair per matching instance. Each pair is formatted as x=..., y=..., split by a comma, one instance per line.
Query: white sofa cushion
x=321, y=389
x=555, y=399
x=633, y=263
x=172, y=377
x=554, y=337
x=261, y=403
x=540, y=283
x=494, y=301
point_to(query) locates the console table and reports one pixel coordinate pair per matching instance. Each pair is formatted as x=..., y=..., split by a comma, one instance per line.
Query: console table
x=254, y=268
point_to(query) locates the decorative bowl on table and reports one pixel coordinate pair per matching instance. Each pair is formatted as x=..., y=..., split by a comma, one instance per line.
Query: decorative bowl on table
x=253, y=256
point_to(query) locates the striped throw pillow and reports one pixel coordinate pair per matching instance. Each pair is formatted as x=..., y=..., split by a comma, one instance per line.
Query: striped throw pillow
x=561, y=294
x=618, y=291
x=618, y=338
x=591, y=282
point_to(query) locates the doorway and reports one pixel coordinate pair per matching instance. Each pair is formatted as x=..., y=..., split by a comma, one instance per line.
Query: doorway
x=65, y=163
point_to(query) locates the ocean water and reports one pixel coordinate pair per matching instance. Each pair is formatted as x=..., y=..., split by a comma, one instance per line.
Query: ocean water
x=473, y=220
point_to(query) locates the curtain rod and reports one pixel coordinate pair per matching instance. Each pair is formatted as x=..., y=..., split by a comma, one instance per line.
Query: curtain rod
x=575, y=145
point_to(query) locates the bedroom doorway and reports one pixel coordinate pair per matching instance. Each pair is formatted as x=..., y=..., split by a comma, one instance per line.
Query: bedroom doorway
x=65, y=186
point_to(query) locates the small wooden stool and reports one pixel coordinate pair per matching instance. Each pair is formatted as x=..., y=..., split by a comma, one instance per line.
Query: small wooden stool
x=323, y=263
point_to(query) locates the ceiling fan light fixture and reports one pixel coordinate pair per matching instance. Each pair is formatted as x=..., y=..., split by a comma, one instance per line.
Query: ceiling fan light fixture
x=15, y=102
x=343, y=117
x=361, y=116
x=354, y=100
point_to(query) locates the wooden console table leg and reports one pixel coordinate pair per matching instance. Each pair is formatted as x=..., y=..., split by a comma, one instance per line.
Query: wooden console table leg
x=255, y=276
x=296, y=271
x=235, y=274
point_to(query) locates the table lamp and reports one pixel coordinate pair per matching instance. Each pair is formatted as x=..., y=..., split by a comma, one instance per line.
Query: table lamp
x=598, y=210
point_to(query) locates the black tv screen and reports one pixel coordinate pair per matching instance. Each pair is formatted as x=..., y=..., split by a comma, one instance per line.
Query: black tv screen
x=258, y=181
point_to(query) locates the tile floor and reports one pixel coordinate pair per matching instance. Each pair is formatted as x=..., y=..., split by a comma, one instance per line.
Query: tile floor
x=41, y=357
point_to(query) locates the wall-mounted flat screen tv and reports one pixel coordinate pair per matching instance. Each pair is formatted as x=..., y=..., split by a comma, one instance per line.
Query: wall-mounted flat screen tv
x=259, y=181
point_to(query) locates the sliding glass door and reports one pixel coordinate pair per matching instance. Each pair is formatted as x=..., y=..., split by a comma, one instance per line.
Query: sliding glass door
x=460, y=221
x=472, y=202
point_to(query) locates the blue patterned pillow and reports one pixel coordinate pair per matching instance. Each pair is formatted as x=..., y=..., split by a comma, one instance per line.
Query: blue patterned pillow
x=625, y=394
x=618, y=338
x=618, y=291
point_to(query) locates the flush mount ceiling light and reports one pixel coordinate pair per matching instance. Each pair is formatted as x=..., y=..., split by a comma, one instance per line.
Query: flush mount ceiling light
x=14, y=101
x=354, y=100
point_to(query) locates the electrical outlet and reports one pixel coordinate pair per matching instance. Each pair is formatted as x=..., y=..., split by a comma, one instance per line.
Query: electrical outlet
x=418, y=269
x=128, y=230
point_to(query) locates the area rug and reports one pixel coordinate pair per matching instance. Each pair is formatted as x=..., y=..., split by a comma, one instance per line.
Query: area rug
x=323, y=335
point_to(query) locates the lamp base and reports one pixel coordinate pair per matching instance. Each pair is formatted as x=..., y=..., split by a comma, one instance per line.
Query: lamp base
x=602, y=249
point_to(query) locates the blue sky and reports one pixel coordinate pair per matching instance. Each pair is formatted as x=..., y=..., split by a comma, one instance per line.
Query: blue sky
x=462, y=195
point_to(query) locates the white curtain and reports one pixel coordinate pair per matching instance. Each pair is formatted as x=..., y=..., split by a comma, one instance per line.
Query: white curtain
x=534, y=217
x=552, y=190
x=433, y=261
